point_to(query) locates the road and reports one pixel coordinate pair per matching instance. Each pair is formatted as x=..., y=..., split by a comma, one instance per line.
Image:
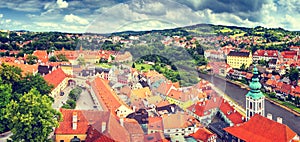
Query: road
x=238, y=95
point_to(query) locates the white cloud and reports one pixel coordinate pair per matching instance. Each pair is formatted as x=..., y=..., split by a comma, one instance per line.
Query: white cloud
x=75, y=19
x=62, y=4
x=1, y=15
x=7, y=20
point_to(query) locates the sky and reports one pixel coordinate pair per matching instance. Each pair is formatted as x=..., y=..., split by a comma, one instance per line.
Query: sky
x=106, y=16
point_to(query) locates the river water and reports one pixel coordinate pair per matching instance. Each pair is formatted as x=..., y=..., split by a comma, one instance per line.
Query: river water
x=238, y=94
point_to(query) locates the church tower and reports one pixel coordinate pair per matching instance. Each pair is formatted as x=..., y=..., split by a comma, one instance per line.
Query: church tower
x=255, y=100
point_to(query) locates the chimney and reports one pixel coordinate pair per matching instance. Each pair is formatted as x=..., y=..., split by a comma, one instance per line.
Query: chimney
x=103, y=128
x=279, y=120
x=173, y=109
x=122, y=121
x=215, y=99
x=134, y=108
x=269, y=116
x=74, y=121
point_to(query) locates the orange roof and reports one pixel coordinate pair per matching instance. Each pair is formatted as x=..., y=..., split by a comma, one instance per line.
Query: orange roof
x=65, y=127
x=25, y=68
x=202, y=134
x=162, y=103
x=142, y=92
x=201, y=107
x=259, y=128
x=41, y=55
x=152, y=73
x=174, y=121
x=271, y=82
x=55, y=77
x=155, y=123
x=164, y=88
x=106, y=95
x=234, y=116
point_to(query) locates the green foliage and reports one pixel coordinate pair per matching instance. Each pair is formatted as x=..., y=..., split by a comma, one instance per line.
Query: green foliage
x=53, y=59
x=293, y=74
x=75, y=93
x=10, y=74
x=62, y=58
x=31, y=59
x=32, y=117
x=243, y=67
x=71, y=103
x=33, y=81
x=133, y=65
x=5, y=97
x=81, y=61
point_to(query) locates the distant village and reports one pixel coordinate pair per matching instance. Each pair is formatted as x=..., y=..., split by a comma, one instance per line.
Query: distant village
x=127, y=104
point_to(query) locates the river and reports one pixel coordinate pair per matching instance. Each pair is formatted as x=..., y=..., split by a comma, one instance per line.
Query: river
x=238, y=94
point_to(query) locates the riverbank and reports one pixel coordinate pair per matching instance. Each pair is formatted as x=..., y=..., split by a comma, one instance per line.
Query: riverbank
x=243, y=86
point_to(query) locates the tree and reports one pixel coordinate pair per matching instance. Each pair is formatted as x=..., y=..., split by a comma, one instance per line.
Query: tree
x=81, y=61
x=293, y=74
x=31, y=59
x=10, y=74
x=36, y=81
x=75, y=93
x=5, y=97
x=32, y=118
x=53, y=59
x=142, y=68
x=71, y=103
x=133, y=65
x=62, y=58
x=243, y=67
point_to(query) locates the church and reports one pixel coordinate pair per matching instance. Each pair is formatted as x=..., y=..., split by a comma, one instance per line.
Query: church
x=258, y=128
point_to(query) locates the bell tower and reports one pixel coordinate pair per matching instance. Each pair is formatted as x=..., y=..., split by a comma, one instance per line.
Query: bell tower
x=255, y=100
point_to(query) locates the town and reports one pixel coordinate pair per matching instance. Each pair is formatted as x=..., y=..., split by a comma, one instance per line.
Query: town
x=113, y=94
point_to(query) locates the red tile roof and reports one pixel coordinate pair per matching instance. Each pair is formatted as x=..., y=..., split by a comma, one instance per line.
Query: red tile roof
x=234, y=116
x=266, y=53
x=203, y=134
x=105, y=94
x=65, y=127
x=41, y=55
x=259, y=128
x=155, y=123
x=201, y=107
x=55, y=77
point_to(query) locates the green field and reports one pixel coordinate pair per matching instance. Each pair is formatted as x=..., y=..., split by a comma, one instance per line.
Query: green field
x=287, y=104
x=146, y=67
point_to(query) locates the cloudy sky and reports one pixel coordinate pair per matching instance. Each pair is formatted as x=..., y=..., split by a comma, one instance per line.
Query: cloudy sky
x=105, y=16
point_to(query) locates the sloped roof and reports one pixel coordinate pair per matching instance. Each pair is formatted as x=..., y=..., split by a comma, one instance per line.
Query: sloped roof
x=234, y=116
x=55, y=77
x=241, y=54
x=259, y=128
x=155, y=123
x=202, y=134
x=65, y=127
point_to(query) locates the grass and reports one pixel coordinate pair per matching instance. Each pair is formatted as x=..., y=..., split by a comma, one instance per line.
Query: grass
x=146, y=67
x=285, y=103
x=226, y=30
x=104, y=65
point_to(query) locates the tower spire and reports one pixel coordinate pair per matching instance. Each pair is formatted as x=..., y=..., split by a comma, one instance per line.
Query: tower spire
x=255, y=98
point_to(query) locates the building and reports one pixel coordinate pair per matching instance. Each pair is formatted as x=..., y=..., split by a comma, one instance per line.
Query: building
x=155, y=125
x=206, y=110
x=259, y=129
x=58, y=79
x=90, y=126
x=236, y=59
x=204, y=135
x=177, y=125
x=214, y=54
x=265, y=55
x=255, y=100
